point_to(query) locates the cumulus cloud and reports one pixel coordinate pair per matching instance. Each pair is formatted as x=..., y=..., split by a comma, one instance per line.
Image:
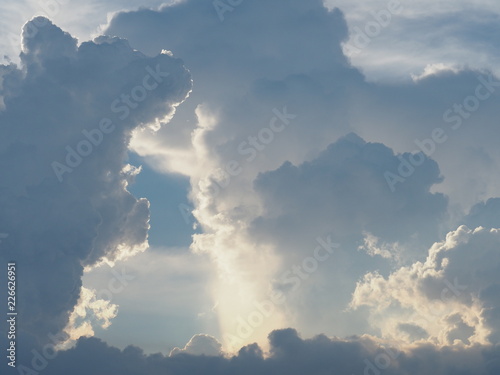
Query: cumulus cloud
x=451, y=298
x=200, y=345
x=484, y=214
x=67, y=116
x=343, y=192
x=82, y=20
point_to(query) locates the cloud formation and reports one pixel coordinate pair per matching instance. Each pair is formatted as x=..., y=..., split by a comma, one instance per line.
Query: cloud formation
x=345, y=191
x=200, y=345
x=66, y=120
x=289, y=354
x=263, y=141
x=262, y=197
x=451, y=298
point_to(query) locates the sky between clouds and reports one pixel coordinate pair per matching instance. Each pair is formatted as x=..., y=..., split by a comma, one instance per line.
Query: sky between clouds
x=247, y=188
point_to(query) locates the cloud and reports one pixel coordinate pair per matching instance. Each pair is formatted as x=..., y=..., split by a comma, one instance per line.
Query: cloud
x=484, y=214
x=66, y=121
x=451, y=298
x=200, y=345
x=448, y=32
x=222, y=138
x=167, y=288
x=289, y=73
x=289, y=354
x=278, y=77
x=89, y=307
x=345, y=190
x=82, y=20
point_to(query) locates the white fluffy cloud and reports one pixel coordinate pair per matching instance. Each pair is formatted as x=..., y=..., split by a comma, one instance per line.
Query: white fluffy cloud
x=451, y=298
x=200, y=345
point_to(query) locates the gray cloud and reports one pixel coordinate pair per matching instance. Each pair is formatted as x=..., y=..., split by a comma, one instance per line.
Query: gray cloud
x=54, y=107
x=289, y=354
x=344, y=190
x=484, y=214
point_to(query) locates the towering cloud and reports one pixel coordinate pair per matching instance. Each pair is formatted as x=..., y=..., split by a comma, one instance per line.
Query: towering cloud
x=66, y=121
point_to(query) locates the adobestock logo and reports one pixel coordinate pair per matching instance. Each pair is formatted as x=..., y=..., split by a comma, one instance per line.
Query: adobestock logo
x=383, y=360
x=122, y=106
x=224, y=6
x=48, y=9
x=245, y=326
x=455, y=117
x=40, y=359
x=84, y=148
x=251, y=148
x=362, y=38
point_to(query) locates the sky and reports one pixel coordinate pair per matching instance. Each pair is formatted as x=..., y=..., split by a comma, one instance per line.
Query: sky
x=241, y=187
